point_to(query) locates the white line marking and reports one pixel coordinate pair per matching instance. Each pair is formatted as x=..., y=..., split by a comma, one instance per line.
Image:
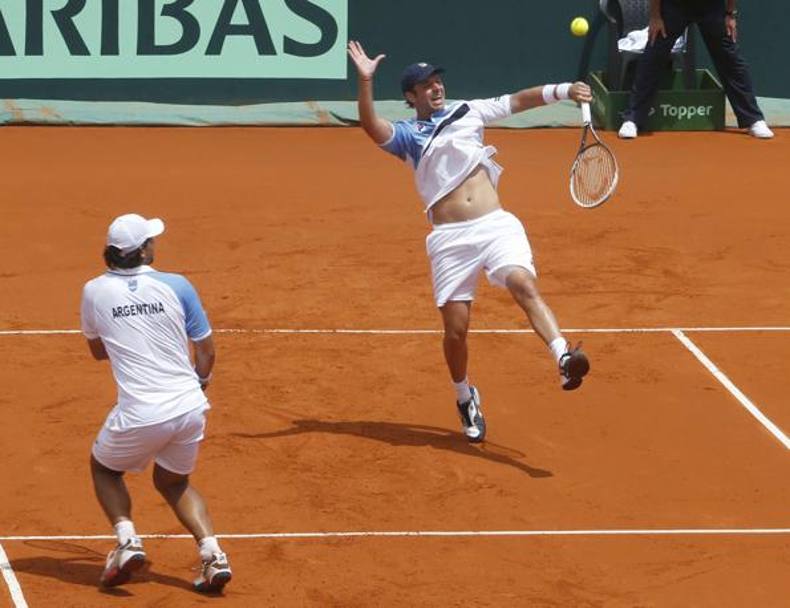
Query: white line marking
x=438, y=533
x=10, y=579
x=589, y=330
x=736, y=392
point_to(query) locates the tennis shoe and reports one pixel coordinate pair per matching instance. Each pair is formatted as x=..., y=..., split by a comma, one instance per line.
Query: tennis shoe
x=573, y=367
x=760, y=130
x=122, y=562
x=472, y=420
x=627, y=130
x=215, y=574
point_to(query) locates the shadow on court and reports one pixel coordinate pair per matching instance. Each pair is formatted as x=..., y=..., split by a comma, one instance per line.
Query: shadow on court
x=414, y=435
x=83, y=566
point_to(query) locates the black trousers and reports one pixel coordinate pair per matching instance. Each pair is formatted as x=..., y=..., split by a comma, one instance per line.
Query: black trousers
x=731, y=67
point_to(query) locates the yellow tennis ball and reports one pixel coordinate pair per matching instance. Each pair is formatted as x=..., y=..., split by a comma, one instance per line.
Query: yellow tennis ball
x=579, y=26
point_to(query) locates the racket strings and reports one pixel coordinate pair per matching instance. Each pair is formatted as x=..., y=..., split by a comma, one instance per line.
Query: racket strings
x=594, y=175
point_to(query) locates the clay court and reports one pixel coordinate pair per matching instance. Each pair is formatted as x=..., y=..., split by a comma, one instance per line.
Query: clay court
x=334, y=465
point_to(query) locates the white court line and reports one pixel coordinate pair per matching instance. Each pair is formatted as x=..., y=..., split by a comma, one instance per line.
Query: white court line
x=437, y=533
x=736, y=392
x=10, y=579
x=590, y=330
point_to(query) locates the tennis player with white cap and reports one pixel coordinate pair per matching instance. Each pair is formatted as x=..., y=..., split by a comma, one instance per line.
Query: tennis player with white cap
x=143, y=321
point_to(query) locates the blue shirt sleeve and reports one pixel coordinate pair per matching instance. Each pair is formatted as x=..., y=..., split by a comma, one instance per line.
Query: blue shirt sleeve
x=197, y=324
x=398, y=144
x=196, y=320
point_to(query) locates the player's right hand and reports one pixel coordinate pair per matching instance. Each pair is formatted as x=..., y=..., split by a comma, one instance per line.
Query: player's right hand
x=580, y=92
x=654, y=28
x=366, y=66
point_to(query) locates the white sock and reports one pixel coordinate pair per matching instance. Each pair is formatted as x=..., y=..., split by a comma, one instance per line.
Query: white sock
x=558, y=347
x=462, y=390
x=208, y=546
x=124, y=530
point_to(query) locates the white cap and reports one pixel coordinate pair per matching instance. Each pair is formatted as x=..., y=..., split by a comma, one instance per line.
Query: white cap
x=128, y=232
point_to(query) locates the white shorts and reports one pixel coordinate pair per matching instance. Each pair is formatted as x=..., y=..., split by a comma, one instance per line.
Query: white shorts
x=459, y=250
x=173, y=444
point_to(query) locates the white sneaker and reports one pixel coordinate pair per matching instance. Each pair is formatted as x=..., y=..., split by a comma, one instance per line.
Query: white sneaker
x=760, y=130
x=472, y=420
x=214, y=575
x=122, y=562
x=627, y=130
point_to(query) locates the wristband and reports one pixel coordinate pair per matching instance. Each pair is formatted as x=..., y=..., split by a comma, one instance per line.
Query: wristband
x=205, y=380
x=556, y=92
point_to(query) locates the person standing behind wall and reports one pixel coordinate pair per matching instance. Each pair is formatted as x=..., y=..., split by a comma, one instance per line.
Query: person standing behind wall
x=717, y=22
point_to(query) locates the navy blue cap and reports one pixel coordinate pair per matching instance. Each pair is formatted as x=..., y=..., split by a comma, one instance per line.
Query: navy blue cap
x=417, y=72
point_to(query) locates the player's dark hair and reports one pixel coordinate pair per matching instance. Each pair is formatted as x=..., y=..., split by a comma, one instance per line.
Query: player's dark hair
x=113, y=257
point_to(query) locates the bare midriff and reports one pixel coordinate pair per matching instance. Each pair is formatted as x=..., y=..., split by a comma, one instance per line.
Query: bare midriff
x=475, y=197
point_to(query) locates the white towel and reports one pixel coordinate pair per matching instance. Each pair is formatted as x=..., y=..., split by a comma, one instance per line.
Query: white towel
x=636, y=41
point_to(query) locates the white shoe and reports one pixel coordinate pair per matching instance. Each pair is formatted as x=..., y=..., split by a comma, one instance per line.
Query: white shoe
x=760, y=130
x=627, y=130
x=122, y=562
x=472, y=420
x=214, y=575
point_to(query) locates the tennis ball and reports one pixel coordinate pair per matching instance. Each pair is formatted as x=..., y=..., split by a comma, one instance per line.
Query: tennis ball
x=579, y=26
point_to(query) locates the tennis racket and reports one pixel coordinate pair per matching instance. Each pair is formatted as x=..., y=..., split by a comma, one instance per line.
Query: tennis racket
x=594, y=173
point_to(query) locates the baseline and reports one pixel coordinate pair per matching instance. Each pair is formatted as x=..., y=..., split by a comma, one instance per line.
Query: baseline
x=435, y=533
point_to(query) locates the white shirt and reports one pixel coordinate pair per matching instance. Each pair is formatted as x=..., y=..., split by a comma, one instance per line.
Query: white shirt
x=145, y=319
x=447, y=147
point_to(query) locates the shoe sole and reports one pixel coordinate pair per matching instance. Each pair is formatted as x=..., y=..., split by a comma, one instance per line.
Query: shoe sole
x=482, y=422
x=123, y=574
x=217, y=583
x=578, y=367
x=481, y=437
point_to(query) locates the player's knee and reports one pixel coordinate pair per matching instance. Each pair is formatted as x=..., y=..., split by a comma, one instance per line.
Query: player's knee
x=522, y=286
x=456, y=333
x=169, y=484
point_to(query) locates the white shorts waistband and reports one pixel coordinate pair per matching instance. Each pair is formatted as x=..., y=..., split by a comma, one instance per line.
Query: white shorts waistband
x=469, y=223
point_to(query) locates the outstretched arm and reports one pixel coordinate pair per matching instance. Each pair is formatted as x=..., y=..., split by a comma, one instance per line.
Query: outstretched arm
x=540, y=96
x=378, y=129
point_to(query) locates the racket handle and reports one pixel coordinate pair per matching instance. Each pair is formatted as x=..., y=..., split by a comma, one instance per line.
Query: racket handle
x=586, y=114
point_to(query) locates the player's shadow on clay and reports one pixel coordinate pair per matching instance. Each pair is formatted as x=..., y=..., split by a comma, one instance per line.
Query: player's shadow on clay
x=415, y=435
x=83, y=566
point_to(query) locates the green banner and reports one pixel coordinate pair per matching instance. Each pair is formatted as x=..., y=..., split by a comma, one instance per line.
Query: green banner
x=118, y=39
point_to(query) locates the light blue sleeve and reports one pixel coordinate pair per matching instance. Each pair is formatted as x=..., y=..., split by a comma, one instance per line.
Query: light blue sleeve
x=398, y=144
x=197, y=324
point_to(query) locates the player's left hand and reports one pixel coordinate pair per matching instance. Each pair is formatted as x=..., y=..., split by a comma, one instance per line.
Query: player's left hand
x=731, y=25
x=580, y=92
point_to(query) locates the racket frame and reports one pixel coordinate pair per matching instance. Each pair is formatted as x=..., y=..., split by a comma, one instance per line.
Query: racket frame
x=587, y=127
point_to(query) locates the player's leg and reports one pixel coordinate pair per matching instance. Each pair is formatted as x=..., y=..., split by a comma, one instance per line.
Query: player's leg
x=572, y=362
x=113, y=496
x=455, y=267
x=174, y=463
x=509, y=264
x=456, y=316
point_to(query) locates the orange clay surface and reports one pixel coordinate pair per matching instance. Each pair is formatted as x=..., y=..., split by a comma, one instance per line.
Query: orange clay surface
x=326, y=432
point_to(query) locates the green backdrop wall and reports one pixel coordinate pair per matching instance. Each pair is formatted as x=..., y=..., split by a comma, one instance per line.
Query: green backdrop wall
x=487, y=47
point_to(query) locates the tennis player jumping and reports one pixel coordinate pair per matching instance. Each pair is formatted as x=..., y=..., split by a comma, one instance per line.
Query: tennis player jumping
x=143, y=321
x=457, y=178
